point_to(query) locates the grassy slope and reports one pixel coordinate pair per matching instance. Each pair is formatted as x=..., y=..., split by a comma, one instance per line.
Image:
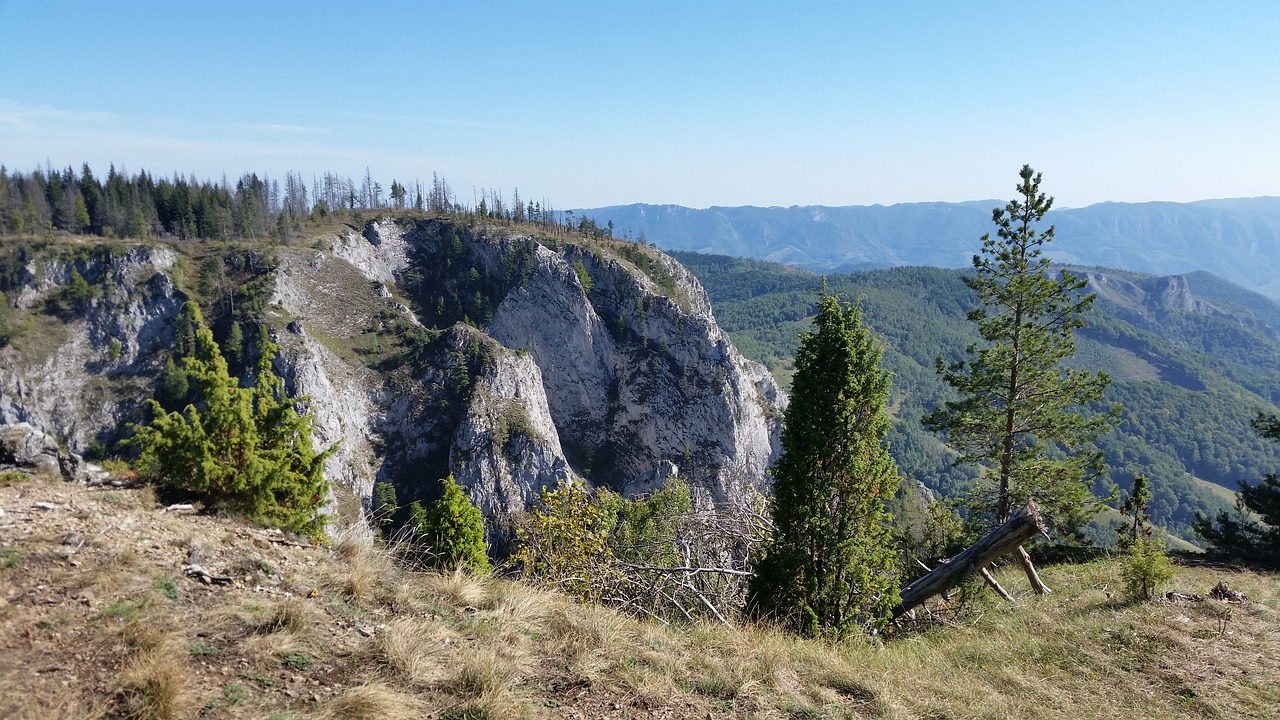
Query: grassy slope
x=98, y=621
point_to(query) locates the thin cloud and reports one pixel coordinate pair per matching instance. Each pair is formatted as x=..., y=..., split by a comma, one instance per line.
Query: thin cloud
x=281, y=128
x=425, y=120
x=19, y=115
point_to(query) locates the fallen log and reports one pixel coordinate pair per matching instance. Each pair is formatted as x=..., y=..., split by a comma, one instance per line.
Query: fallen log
x=1009, y=537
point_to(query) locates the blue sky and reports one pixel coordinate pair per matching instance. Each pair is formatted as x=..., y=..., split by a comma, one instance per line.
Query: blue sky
x=696, y=103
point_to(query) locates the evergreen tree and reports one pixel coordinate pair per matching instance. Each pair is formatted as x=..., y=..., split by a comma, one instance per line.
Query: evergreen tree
x=81, y=215
x=234, y=348
x=451, y=531
x=1020, y=412
x=1135, y=507
x=1252, y=533
x=829, y=569
x=173, y=391
x=1146, y=564
x=245, y=449
x=385, y=506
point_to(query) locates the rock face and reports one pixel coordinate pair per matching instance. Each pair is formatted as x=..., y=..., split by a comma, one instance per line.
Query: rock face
x=524, y=361
x=600, y=362
x=22, y=446
x=79, y=376
x=1149, y=295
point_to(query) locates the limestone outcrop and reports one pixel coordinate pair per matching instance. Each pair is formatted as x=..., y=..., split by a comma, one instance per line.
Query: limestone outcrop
x=428, y=347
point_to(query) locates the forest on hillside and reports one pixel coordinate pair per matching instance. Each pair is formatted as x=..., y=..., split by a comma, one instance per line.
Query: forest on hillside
x=1189, y=383
x=141, y=205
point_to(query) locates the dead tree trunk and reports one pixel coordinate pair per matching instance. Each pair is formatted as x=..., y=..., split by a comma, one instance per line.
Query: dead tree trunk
x=1024, y=525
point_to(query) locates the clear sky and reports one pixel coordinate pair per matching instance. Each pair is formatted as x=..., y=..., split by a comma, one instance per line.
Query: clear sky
x=695, y=103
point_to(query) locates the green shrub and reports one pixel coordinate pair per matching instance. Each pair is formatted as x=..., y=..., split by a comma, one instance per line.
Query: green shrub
x=451, y=533
x=8, y=328
x=167, y=587
x=565, y=542
x=645, y=530
x=71, y=299
x=248, y=450
x=583, y=276
x=1146, y=569
x=1146, y=566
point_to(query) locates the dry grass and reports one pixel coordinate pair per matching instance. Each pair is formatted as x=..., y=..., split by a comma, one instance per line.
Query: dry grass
x=582, y=629
x=521, y=606
x=276, y=645
x=154, y=676
x=368, y=573
x=485, y=677
x=373, y=701
x=58, y=707
x=1042, y=656
x=485, y=670
x=459, y=588
x=420, y=652
x=291, y=615
x=343, y=633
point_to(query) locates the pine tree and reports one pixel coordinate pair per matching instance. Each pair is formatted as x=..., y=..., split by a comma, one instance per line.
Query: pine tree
x=1146, y=564
x=244, y=449
x=1135, y=507
x=1020, y=413
x=1252, y=532
x=829, y=569
x=385, y=506
x=451, y=531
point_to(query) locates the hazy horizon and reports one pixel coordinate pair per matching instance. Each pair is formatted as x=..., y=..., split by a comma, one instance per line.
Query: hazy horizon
x=710, y=104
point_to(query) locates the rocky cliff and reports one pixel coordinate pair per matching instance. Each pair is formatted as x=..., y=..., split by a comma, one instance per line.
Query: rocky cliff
x=543, y=359
x=84, y=363
x=429, y=347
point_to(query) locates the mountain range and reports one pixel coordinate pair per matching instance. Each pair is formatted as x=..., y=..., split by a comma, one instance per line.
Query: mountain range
x=1193, y=358
x=1236, y=239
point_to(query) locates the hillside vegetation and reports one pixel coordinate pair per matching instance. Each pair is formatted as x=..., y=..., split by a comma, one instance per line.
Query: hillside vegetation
x=1193, y=362
x=99, y=621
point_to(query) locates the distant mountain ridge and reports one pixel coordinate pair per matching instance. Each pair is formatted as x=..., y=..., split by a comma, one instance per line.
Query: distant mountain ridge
x=1235, y=239
x=1192, y=358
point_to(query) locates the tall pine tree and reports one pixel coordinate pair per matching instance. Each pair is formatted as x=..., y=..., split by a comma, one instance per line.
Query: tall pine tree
x=1020, y=414
x=829, y=569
